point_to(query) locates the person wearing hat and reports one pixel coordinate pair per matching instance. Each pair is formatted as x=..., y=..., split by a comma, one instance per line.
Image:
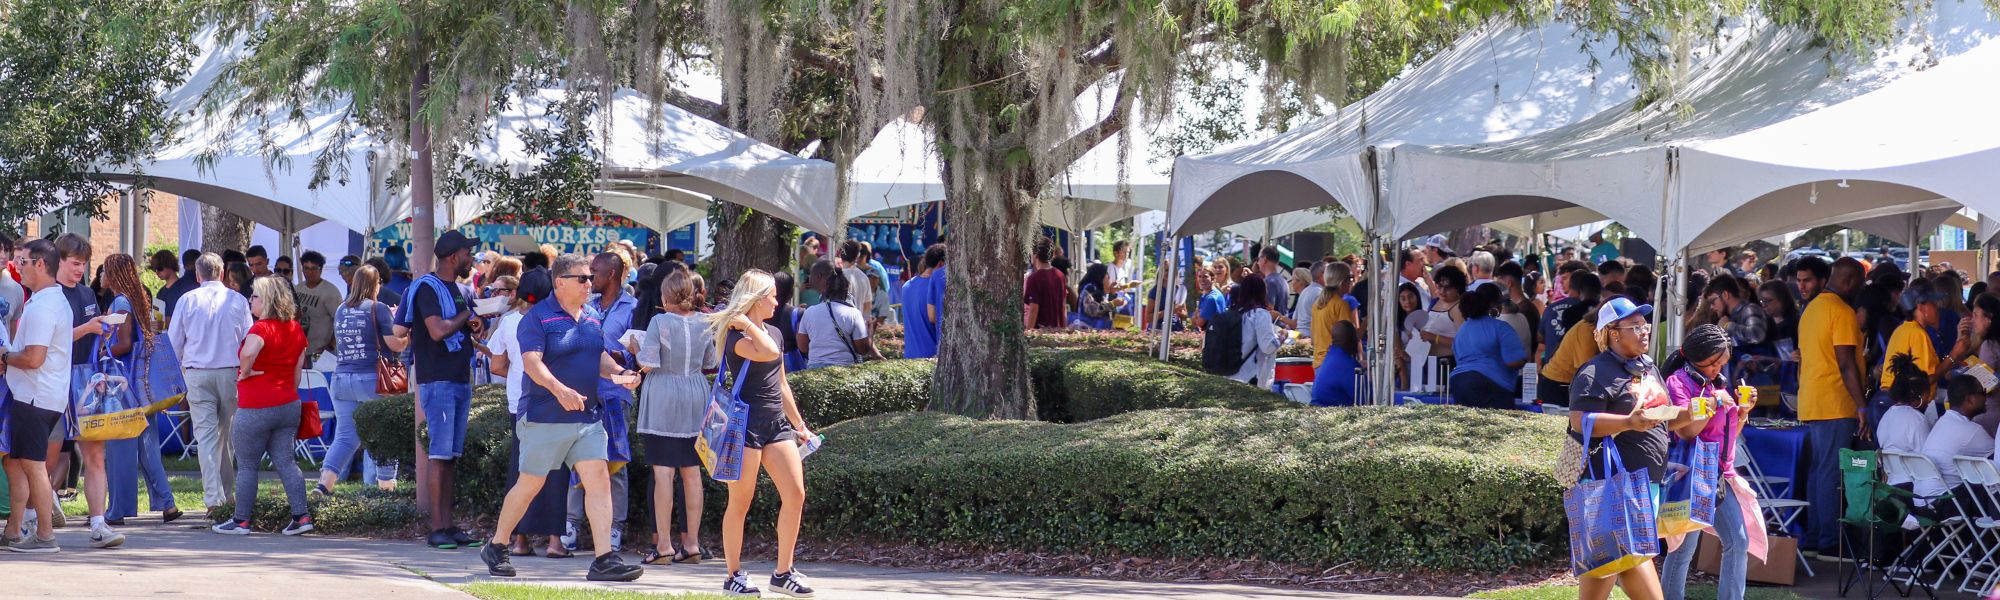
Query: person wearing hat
x=1435, y=250
x=1617, y=385
x=547, y=512
x=1695, y=375
x=441, y=346
x=1922, y=302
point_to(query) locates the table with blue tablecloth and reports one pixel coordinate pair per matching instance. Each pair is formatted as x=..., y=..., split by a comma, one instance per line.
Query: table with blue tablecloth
x=1779, y=453
x=1403, y=398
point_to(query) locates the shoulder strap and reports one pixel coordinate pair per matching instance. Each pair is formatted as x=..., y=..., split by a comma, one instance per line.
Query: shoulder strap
x=843, y=334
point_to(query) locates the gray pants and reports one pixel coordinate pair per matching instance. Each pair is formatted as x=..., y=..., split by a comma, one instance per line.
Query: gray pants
x=621, y=501
x=260, y=432
x=211, y=399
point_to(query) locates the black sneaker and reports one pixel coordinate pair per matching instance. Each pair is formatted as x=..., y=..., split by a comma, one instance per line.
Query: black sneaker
x=320, y=489
x=442, y=540
x=609, y=568
x=791, y=584
x=497, y=562
x=465, y=540
x=738, y=584
x=299, y=525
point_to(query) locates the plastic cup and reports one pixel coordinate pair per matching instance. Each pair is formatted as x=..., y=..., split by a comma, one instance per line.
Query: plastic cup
x=1745, y=395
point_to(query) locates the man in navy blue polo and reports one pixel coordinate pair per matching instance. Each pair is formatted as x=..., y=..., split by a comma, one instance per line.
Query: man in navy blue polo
x=563, y=356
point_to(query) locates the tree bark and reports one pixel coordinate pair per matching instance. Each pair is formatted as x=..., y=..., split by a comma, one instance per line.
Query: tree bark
x=223, y=230
x=423, y=238
x=746, y=239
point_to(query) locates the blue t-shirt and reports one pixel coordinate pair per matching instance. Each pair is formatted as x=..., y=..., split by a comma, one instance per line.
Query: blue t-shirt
x=1334, y=382
x=357, y=336
x=572, y=348
x=1212, y=304
x=919, y=334
x=617, y=319
x=1485, y=346
x=1552, y=328
x=936, y=297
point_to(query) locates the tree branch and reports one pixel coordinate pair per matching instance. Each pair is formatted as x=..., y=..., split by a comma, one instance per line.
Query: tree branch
x=700, y=107
x=1072, y=149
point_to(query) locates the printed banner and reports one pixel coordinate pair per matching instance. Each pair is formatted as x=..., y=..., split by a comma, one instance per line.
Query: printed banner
x=567, y=239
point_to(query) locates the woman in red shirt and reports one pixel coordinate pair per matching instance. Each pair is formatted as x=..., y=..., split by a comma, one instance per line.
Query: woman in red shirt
x=267, y=405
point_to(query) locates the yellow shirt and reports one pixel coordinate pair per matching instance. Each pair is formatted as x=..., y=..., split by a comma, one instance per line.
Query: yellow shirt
x=1827, y=323
x=1578, y=346
x=1324, y=315
x=1909, y=338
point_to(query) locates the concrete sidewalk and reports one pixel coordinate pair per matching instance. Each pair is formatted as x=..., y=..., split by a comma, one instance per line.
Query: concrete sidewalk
x=181, y=560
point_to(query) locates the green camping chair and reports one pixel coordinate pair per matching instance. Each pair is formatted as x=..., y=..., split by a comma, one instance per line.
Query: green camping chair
x=1871, y=504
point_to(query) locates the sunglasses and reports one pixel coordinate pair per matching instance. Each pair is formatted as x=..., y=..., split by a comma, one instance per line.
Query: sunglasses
x=585, y=279
x=285, y=272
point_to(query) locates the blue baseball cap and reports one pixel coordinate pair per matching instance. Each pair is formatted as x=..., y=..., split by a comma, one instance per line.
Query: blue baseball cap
x=1619, y=308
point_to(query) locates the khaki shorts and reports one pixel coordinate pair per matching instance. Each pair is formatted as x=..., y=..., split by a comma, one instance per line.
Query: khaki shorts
x=546, y=446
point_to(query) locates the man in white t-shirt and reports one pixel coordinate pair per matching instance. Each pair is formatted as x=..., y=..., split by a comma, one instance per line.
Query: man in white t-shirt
x=38, y=373
x=860, y=292
x=1956, y=435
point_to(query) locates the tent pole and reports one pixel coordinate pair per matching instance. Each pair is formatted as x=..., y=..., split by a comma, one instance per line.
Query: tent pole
x=1172, y=267
x=1382, y=294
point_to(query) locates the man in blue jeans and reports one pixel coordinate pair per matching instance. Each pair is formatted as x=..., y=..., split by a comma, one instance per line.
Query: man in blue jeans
x=441, y=350
x=1830, y=396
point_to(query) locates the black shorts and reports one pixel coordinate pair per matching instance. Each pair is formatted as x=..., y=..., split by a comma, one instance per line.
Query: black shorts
x=1552, y=392
x=759, y=433
x=29, y=430
x=669, y=452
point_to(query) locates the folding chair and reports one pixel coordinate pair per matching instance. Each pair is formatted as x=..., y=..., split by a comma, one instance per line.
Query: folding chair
x=1780, y=512
x=178, y=417
x=313, y=386
x=1872, y=504
x=1980, y=506
x=1949, y=550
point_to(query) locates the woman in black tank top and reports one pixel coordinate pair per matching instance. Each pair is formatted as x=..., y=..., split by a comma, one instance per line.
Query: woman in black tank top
x=773, y=434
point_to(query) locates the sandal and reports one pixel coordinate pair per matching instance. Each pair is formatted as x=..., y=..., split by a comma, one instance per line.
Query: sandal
x=688, y=558
x=559, y=553
x=653, y=557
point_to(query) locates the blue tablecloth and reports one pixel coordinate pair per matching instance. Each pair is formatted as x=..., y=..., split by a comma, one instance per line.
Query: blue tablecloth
x=1779, y=453
x=1403, y=398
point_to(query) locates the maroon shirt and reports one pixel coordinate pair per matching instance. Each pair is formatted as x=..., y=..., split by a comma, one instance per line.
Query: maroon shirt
x=1047, y=288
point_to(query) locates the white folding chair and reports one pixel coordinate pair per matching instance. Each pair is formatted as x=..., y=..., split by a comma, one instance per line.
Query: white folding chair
x=177, y=418
x=1950, y=549
x=314, y=449
x=1981, y=509
x=1779, y=512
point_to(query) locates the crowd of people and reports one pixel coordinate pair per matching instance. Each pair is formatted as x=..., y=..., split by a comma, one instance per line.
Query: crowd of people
x=579, y=342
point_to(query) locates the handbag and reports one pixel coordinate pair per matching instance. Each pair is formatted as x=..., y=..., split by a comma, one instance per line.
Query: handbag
x=719, y=444
x=1569, y=463
x=104, y=409
x=1611, y=519
x=391, y=377
x=309, y=424
x=1689, y=500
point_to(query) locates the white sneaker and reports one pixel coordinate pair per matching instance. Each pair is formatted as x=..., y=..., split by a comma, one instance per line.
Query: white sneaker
x=103, y=536
x=29, y=526
x=569, y=536
x=617, y=537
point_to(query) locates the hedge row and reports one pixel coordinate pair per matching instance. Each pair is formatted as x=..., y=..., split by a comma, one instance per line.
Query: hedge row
x=387, y=428
x=1086, y=385
x=1439, y=487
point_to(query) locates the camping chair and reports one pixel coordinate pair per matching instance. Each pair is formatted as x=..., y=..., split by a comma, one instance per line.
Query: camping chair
x=1780, y=511
x=1949, y=549
x=1981, y=508
x=313, y=387
x=1875, y=506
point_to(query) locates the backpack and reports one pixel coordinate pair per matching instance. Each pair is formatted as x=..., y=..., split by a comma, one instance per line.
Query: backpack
x=1222, y=345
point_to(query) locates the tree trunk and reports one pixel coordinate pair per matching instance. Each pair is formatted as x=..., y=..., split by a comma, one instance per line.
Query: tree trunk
x=746, y=239
x=223, y=230
x=423, y=237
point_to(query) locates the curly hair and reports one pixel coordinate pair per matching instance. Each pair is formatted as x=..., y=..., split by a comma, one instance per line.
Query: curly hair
x=121, y=276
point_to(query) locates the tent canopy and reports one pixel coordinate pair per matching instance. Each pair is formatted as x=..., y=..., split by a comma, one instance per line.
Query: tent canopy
x=1760, y=76
x=1497, y=83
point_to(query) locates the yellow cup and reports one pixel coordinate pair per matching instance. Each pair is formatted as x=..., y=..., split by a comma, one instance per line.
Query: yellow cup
x=1746, y=395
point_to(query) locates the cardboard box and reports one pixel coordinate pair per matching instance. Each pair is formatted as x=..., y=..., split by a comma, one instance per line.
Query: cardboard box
x=1780, y=570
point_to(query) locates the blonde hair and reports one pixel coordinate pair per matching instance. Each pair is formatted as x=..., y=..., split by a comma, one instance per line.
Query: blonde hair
x=277, y=298
x=506, y=266
x=677, y=289
x=365, y=284
x=752, y=287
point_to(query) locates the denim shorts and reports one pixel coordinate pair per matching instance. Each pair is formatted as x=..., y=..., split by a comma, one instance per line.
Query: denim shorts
x=445, y=405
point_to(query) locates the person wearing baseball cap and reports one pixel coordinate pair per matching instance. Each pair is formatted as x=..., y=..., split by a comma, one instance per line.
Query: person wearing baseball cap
x=442, y=327
x=1614, y=389
x=1922, y=302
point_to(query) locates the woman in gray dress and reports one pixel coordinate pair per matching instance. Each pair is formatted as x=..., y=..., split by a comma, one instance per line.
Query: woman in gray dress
x=677, y=347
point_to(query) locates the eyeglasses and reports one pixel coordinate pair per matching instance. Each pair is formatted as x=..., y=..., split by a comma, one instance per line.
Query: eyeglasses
x=583, y=279
x=1642, y=327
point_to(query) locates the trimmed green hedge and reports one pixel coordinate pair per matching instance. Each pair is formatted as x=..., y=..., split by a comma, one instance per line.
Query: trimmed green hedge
x=388, y=429
x=1086, y=385
x=1439, y=487
x=834, y=394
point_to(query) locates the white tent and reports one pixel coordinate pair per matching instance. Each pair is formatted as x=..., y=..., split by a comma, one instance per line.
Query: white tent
x=900, y=168
x=689, y=154
x=1761, y=77
x=226, y=164
x=1498, y=83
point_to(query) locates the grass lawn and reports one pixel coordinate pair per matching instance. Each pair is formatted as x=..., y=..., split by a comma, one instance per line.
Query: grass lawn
x=187, y=493
x=1568, y=592
x=509, y=591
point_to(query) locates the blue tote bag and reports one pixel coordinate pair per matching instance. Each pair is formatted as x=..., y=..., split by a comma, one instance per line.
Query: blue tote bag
x=1688, y=499
x=1611, y=519
x=720, y=442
